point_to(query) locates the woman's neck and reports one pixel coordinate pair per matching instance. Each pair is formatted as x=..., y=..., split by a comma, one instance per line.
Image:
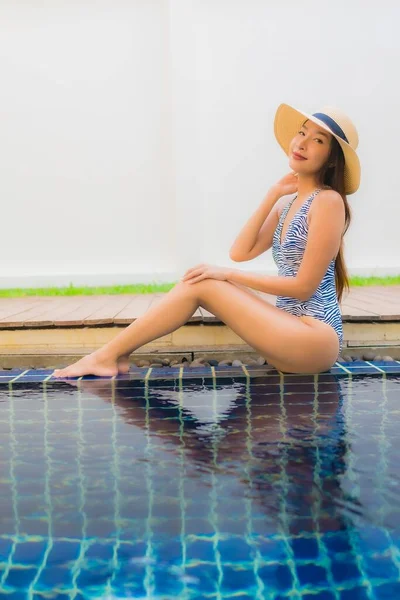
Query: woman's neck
x=306, y=186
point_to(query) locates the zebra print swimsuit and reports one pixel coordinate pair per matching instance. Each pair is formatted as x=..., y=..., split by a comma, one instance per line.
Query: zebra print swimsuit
x=323, y=304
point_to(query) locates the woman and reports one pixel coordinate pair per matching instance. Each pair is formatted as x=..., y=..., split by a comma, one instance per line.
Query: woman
x=303, y=332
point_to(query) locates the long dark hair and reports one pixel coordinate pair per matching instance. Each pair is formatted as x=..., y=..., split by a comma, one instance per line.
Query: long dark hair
x=333, y=176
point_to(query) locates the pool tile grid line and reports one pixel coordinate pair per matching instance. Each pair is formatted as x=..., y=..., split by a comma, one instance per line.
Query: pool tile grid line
x=47, y=495
x=384, y=449
x=149, y=579
x=181, y=490
x=283, y=517
x=145, y=373
x=357, y=553
x=261, y=591
x=317, y=506
x=213, y=504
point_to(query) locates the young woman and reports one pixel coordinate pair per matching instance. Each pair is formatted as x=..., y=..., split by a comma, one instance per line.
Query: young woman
x=303, y=332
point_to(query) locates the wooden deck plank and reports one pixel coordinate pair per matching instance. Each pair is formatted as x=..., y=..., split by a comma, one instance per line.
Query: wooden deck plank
x=34, y=313
x=14, y=306
x=370, y=304
x=355, y=313
x=136, y=307
x=54, y=312
x=105, y=314
x=78, y=313
x=390, y=299
x=378, y=307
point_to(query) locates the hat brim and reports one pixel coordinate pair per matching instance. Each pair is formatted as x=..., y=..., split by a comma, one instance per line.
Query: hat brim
x=288, y=121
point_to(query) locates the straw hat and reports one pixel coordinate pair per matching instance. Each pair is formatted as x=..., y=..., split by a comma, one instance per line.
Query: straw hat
x=288, y=121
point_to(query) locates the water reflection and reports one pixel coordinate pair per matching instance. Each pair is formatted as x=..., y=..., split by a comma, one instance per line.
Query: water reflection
x=277, y=443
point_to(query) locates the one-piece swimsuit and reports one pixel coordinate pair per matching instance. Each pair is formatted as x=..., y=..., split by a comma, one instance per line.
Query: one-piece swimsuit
x=323, y=304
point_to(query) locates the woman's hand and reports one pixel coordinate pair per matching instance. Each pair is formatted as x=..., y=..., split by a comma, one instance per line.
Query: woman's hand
x=204, y=271
x=288, y=184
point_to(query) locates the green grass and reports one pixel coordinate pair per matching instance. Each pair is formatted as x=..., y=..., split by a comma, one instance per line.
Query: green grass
x=149, y=288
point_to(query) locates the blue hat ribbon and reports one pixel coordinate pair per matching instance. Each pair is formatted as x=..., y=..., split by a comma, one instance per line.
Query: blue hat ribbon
x=332, y=125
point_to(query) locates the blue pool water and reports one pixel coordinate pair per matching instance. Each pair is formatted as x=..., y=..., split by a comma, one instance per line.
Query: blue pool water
x=272, y=486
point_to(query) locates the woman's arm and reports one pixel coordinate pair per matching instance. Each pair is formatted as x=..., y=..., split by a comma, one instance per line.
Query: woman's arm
x=249, y=237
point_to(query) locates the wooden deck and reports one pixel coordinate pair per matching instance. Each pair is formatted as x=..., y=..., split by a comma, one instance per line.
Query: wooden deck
x=368, y=304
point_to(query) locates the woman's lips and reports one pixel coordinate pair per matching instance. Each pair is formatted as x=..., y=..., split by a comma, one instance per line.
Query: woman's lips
x=298, y=157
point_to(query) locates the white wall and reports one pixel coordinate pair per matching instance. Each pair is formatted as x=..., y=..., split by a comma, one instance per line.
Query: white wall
x=136, y=138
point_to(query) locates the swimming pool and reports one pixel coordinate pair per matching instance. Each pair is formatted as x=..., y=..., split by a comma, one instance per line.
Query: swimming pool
x=272, y=486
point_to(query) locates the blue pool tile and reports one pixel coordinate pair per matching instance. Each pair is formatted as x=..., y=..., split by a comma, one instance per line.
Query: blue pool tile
x=20, y=578
x=305, y=548
x=375, y=538
x=103, y=552
x=387, y=591
x=207, y=575
x=169, y=583
x=14, y=595
x=5, y=549
x=235, y=550
x=94, y=577
x=201, y=550
x=55, y=577
x=271, y=549
x=337, y=542
x=277, y=576
x=344, y=570
x=237, y=579
x=380, y=567
x=62, y=552
x=11, y=372
x=323, y=595
x=356, y=593
x=132, y=552
x=29, y=552
x=311, y=574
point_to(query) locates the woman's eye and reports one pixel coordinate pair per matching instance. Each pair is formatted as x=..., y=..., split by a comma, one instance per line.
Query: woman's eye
x=315, y=138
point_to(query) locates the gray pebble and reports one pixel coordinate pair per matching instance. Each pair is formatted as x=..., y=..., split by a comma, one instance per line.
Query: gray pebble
x=250, y=362
x=369, y=356
x=237, y=363
x=347, y=358
x=143, y=363
x=388, y=358
x=195, y=363
x=261, y=360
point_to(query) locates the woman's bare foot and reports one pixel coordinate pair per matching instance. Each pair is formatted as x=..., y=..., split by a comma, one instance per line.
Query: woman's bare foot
x=124, y=364
x=92, y=364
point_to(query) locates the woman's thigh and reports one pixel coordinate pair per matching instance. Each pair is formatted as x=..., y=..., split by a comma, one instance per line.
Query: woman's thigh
x=323, y=338
x=289, y=343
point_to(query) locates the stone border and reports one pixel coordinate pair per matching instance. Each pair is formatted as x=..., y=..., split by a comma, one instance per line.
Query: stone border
x=206, y=357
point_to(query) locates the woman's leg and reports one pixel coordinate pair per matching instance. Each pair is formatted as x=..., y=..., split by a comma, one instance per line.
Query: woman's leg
x=124, y=362
x=290, y=343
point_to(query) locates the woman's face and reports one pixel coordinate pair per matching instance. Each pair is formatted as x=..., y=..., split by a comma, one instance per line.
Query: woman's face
x=314, y=144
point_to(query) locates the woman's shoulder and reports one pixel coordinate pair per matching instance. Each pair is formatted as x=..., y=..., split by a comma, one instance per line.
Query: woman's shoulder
x=327, y=190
